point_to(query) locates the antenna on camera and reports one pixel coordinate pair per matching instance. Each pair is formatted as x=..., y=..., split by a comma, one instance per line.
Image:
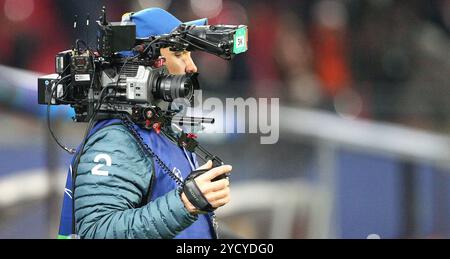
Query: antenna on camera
x=87, y=31
x=75, y=18
x=103, y=17
x=75, y=25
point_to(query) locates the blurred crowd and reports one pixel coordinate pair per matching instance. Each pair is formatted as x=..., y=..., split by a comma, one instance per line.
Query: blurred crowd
x=387, y=60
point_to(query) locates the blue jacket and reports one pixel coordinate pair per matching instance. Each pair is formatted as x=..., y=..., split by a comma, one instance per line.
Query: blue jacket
x=115, y=180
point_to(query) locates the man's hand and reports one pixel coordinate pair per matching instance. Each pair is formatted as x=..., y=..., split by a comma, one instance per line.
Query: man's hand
x=217, y=193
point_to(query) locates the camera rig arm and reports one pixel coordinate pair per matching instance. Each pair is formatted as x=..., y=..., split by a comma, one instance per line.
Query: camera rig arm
x=159, y=120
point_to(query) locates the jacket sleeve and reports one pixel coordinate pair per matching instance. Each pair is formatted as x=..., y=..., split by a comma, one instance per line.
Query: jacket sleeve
x=113, y=177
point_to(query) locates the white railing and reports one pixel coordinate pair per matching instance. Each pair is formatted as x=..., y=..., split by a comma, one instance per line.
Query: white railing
x=389, y=139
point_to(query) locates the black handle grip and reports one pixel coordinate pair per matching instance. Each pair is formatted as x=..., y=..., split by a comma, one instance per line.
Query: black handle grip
x=216, y=162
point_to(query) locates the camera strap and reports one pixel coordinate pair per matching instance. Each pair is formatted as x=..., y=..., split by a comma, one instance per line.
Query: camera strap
x=194, y=194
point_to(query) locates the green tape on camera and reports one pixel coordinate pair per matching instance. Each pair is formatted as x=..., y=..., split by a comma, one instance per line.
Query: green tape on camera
x=240, y=40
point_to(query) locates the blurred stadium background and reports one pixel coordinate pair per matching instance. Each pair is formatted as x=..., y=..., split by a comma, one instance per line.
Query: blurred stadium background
x=364, y=147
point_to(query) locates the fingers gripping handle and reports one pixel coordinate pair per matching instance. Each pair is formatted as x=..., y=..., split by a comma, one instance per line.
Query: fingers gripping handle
x=216, y=162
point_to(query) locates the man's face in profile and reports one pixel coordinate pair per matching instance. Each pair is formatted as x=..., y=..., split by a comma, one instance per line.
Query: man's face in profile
x=179, y=62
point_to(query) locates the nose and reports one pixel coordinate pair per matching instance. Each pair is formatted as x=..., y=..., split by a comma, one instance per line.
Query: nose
x=190, y=66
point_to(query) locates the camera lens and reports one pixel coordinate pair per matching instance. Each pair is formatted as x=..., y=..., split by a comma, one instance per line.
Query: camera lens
x=170, y=87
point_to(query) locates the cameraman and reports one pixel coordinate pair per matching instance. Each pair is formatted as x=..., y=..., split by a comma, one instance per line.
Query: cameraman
x=123, y=193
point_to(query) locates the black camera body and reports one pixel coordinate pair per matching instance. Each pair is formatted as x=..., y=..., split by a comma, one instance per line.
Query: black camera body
x=125, y=73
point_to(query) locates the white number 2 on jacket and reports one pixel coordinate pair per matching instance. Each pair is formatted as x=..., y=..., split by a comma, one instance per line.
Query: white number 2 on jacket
x=96, y=170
